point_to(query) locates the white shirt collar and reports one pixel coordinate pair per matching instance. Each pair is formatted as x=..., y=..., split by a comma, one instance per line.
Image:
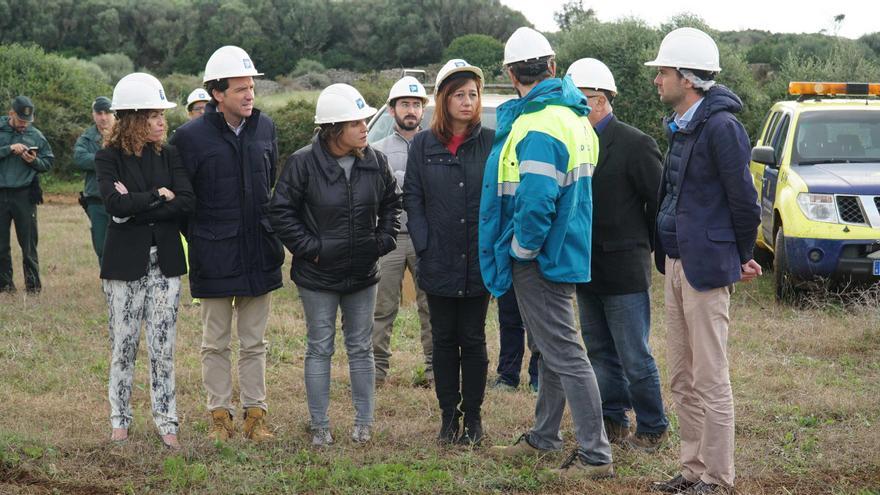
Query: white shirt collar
x=682, y=121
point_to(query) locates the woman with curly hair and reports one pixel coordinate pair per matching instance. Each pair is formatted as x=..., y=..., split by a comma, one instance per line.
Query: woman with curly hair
x=146, y=191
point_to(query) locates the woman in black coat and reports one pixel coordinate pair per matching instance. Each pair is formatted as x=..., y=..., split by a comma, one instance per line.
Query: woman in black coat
x=444, y=173
x=146, y=191
x=336, y=208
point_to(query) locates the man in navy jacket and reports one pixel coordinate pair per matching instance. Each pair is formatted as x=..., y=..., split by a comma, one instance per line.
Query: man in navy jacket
x=235, y=258
x=706, y=229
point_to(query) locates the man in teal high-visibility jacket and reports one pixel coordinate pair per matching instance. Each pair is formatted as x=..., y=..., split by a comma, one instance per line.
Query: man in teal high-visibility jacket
x=535, y=222
x=24, y=153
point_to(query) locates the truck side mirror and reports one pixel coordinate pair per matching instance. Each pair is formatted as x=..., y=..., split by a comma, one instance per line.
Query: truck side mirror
x=765, y=155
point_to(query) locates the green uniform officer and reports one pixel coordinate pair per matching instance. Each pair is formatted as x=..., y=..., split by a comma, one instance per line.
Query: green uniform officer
x=24, y=153
x=84, y=158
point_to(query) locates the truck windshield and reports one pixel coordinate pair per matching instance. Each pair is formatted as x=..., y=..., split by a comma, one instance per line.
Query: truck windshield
x=838, y=136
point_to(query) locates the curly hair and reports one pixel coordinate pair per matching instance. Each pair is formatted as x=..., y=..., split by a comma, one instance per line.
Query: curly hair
x=131, y=131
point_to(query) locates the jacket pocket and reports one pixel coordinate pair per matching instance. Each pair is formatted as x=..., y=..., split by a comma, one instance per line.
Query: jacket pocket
x=217, y=250
x=272, y=250
x=721, y=235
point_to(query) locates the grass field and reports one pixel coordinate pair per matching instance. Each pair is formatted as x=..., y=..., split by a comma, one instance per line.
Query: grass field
x=806, y=382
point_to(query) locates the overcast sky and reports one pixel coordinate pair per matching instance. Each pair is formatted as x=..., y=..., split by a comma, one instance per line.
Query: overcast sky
x=805, y=16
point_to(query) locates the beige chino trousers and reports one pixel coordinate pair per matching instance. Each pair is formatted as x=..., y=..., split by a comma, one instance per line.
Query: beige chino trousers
x=696, y=340
x=251, y=315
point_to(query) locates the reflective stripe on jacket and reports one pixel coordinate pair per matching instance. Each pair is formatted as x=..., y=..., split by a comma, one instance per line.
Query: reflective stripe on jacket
x=536, y=201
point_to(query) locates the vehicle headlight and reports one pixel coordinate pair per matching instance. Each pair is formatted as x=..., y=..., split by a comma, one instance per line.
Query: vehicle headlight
x=818, y=207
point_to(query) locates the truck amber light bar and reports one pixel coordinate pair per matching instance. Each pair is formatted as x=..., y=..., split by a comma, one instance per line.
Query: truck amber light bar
x=833, y=88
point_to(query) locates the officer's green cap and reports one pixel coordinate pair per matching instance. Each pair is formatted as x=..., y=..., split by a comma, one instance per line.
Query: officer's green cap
x=101, y=104
x=24, y=108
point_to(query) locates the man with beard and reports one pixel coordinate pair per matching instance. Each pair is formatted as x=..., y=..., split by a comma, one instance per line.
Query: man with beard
x=406, y=104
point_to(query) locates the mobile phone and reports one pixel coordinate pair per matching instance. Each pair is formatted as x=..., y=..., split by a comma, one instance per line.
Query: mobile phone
x=33, y=148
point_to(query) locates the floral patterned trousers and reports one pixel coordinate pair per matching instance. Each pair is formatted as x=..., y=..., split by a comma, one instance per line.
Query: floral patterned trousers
x=153, y=300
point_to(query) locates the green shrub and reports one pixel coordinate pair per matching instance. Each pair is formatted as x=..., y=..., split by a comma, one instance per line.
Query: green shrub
x=307, y=66
x=62, y=91
x=115, y=65
x=483, y=51
x=624, y=46
x=374, y=89
x=295, y=125
x=178, y=86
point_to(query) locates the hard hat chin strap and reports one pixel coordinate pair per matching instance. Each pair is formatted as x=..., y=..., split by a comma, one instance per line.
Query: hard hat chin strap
x=695, y=80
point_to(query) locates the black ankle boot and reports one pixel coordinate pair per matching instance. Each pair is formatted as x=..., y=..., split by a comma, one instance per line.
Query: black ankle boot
x=449, y=428
x=473, y=431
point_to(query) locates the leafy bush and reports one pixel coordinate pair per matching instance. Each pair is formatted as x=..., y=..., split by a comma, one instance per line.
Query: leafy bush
x=115, y=65
x=625, y=45
x=178, y=86
x=62, y=91
x=312, y=80
x=483, y=51
x=307, y=66
x=846, y=62
x=295, y=125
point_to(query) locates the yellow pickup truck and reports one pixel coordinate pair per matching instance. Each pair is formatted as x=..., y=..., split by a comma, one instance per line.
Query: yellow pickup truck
x=816, y=166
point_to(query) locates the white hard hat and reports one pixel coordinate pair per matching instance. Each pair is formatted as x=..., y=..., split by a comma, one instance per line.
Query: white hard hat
x=526, y=44
x=229, y=61
x=197, y=94
x=455, y=66
x=592, y=74
x=687, y=48
x=341, y=103
x=408, y=87
x=139, y=91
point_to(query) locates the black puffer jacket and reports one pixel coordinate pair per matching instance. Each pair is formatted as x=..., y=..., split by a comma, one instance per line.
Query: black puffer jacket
x=442, y=200
x=335, y=228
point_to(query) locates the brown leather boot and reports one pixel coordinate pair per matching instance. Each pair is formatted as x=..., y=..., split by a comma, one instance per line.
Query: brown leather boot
x=222, y=429
x=255, y=425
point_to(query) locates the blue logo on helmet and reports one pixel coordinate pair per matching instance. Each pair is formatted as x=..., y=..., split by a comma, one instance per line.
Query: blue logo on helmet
x=246, y=62
x=360, y=103
x=413, y=88
x=460, y=64
x=162, y=95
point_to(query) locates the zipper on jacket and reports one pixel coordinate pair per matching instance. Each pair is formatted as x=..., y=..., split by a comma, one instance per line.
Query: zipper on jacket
x=350, y=227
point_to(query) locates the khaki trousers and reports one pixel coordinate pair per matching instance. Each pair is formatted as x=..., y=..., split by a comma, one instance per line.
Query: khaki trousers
x=392, y=268
x=696, y=340
x=252, y=314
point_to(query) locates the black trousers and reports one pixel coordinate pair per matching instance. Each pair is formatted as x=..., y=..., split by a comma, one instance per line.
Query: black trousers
x=17, y=208
x=458, y=326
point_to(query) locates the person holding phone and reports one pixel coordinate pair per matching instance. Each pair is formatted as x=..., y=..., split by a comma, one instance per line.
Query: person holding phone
x=24, y=153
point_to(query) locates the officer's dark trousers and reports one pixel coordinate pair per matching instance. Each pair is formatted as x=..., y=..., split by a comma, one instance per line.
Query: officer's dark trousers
x=16, y=208
x=99, y=219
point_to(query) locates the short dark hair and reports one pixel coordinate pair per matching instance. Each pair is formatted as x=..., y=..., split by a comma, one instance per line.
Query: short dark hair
x=220, y=85
x=330, y=133
x=608, y=95
x=531, y=71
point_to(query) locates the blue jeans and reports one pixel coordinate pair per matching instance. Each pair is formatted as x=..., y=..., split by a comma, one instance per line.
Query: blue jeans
x=357, y=326
x=512, y=334
x=615, y=328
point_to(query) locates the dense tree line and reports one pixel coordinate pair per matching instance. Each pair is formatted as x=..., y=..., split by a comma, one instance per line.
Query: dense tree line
x=179, y=35
x=86, y=45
